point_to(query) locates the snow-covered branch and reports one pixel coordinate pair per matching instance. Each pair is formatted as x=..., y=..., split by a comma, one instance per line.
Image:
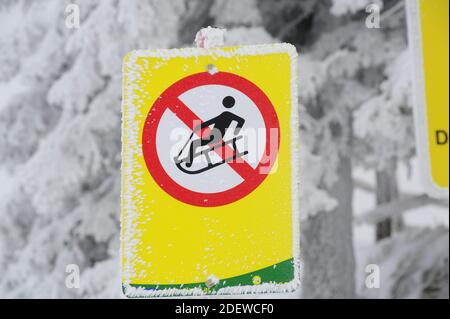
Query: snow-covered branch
x=398, y=207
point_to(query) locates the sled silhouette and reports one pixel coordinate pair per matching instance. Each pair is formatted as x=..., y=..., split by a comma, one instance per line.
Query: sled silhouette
x=181, y=161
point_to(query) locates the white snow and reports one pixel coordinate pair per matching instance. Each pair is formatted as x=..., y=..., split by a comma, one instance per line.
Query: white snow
x=366, y=249
x=210, y=37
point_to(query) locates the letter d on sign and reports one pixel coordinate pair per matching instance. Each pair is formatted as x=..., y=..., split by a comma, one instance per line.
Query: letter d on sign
x=441, y=137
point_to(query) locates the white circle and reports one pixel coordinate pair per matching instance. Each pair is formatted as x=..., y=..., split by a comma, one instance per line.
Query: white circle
x=206, y=102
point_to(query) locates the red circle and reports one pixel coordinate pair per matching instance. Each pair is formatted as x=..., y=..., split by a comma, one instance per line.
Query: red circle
x=161, y=105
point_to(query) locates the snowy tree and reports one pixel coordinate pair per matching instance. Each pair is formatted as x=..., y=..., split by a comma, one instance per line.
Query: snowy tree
x=410, y=269
x=351, y=91
x=60, y=138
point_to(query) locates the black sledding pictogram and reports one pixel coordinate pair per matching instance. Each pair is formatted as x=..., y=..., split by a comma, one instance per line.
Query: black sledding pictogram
x=204, y=145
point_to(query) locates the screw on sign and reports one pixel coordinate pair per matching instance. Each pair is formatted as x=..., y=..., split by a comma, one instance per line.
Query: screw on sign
x=193, y=175
x=209, y=193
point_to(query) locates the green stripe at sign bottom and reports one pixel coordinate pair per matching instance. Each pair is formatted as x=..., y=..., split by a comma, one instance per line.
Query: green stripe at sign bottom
x=280, y=273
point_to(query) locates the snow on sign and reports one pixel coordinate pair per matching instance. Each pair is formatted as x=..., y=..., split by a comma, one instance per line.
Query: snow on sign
x=429, y=36
x=209, y=192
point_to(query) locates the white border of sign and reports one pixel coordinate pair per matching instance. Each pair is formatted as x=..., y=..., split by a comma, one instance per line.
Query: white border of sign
x=420, y=105
x=132, y=131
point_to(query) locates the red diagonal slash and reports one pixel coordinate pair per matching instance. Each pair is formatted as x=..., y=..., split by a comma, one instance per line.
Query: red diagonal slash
x=188, y=117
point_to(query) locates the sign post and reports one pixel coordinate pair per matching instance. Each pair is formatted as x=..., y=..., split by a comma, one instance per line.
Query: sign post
x=429, y=40
x=210, y=172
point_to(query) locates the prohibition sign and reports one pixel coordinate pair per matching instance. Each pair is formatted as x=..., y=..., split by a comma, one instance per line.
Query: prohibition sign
x=251, y=177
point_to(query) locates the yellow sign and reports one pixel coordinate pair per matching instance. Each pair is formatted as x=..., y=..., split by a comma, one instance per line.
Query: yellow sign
x=209, y=171
x=428, y=35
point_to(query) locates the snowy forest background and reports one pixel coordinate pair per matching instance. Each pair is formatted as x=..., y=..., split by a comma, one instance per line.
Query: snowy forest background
x=60, y=114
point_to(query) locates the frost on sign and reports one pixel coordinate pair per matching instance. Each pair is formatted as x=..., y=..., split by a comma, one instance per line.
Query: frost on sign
x=209, y=196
